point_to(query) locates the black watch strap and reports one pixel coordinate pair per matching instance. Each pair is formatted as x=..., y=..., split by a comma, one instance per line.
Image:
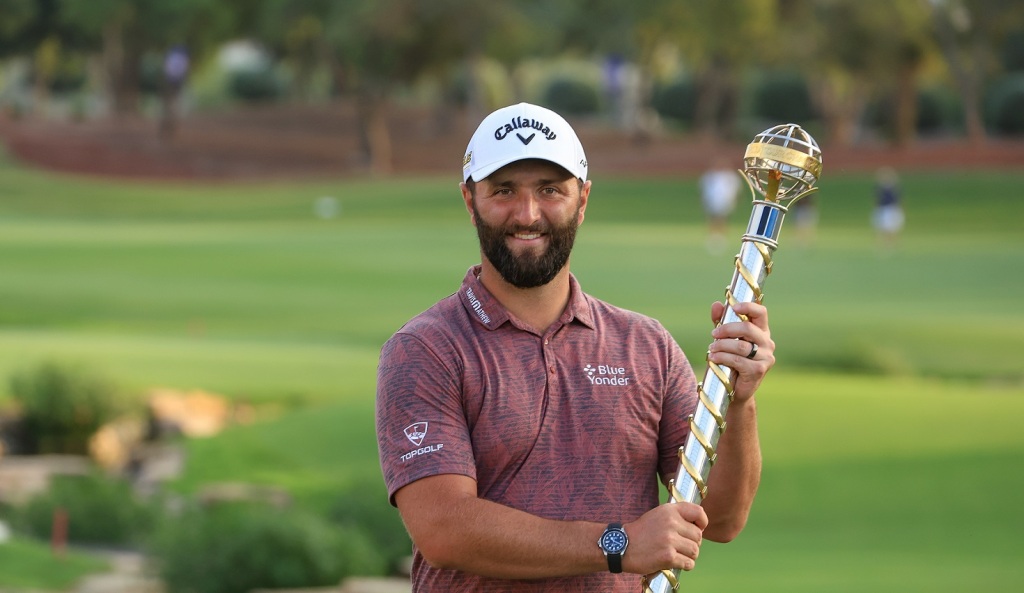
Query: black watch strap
x=614, y=560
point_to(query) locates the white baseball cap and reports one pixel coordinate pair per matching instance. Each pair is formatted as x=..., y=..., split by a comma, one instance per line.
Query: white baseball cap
x=523, y=131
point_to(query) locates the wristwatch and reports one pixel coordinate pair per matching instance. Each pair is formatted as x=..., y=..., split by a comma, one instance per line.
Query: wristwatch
x=613, y=543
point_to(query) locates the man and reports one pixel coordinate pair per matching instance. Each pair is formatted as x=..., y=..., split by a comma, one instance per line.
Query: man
x=520, y=420
x=887, y=217
x=719, y=187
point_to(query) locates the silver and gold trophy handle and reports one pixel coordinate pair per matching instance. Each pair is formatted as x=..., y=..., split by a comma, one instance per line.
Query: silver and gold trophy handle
x=781, y=166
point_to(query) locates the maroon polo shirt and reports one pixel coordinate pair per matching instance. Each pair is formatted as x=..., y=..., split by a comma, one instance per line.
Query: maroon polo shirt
x=574, y=423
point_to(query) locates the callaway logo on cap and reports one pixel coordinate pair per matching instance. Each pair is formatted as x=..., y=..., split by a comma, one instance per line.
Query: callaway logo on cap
x=523, y=131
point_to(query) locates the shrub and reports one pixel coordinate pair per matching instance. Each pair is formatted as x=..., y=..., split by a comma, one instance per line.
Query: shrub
x=151, y=73
x=1013, y=52
x=100, y=510
x=62, y=406
x=70, y=75
x=572, y=97
x=255, y=85
x=64, y=72
x=368, y=510
x=456, y=91
x=878, y=114
x=1004, y=105
x=235, y=548
x=783, y=97
x=937, y=110
x=676, y=101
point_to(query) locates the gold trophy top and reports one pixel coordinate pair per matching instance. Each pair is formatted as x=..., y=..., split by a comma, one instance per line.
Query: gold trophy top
x=782, y=164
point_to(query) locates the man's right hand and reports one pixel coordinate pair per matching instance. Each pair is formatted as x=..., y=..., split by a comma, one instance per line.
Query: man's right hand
x=667, y=536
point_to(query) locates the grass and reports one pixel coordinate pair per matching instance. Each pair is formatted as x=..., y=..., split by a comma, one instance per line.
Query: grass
x=890, y=427
x=31, y=565
x=331, y=449
x=202, y=286
x=880, y=484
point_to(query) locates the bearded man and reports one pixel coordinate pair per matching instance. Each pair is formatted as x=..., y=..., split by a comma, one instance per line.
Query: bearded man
x=523, y=424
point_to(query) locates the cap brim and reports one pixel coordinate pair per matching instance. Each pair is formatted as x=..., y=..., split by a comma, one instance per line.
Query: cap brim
x=485, y=171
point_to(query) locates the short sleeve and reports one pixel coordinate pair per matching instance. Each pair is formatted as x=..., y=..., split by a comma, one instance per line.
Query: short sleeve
x=421, y=426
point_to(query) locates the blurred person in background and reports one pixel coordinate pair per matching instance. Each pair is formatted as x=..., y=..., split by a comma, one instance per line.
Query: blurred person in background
x=805, y=217
x=176, y=66
x=523, y=424
x=888, y=217
x=719, y=187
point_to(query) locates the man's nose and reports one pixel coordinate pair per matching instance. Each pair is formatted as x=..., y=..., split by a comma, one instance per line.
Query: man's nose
x=527, y=209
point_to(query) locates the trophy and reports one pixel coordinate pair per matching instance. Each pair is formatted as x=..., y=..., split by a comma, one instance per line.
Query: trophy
x=781, y=166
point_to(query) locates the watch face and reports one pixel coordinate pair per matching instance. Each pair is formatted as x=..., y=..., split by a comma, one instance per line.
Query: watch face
x=613, y=541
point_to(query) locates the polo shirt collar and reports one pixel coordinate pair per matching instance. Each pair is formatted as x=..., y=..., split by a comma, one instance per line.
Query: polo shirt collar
x=486, y=310
x=479, y=303
x=578, y=308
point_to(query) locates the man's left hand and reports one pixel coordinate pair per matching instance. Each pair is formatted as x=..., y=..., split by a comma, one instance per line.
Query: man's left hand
x=734, y=343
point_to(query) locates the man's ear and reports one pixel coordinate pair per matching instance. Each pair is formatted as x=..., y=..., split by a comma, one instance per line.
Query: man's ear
x=584, y=196
x=467, y=198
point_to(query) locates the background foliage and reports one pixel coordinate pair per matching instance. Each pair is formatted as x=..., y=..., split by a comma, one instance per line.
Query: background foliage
x=238, y=548
x=63, y=405
x=101, y=511
x=861, y=70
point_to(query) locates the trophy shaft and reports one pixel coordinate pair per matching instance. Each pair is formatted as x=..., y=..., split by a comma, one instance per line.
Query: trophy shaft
x=752, y=265
x=781, y=166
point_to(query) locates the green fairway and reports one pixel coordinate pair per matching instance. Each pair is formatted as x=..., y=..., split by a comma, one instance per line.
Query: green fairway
x=893, y=454
x=871, y=485
x=241, y=289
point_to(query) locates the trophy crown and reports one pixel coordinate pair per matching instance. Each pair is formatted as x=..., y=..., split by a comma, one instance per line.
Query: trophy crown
x=782, y=163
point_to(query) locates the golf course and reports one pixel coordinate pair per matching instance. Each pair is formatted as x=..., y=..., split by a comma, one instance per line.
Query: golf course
x=891, y=425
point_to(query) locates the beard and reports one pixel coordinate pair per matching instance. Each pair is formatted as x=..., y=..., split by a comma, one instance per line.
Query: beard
x=528, y=270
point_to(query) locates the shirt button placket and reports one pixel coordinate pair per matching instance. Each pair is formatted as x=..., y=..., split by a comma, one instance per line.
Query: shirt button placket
x=548, y=357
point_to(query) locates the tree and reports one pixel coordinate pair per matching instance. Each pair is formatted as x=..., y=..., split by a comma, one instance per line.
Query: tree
x=125, y=30
x=621, y=33
x=718, y=40
x=375, y=46
x=370, y=48
x=969, y=33
x=33, y=27
x=16, y=24
x=853, y=53
x=294, y=31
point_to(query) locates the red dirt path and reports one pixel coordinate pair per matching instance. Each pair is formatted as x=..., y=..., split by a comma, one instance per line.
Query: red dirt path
x=321, y=141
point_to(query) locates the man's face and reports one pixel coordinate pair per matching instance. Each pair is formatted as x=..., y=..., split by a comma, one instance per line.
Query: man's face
x=526, y=216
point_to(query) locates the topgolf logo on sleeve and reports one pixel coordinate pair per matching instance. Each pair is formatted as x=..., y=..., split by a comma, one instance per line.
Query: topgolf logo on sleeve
x=416, y=433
